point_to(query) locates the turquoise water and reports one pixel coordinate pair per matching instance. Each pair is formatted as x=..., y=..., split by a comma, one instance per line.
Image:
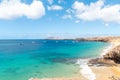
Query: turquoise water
x=23, y=59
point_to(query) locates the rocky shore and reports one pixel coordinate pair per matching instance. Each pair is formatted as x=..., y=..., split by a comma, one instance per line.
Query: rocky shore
x=113, y=54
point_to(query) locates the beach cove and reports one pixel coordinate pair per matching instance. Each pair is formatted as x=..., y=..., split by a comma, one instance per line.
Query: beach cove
x=106, y=68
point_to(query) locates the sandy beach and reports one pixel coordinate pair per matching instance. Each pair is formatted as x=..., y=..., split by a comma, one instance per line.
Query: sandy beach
x=101, y=72
x=106, y=73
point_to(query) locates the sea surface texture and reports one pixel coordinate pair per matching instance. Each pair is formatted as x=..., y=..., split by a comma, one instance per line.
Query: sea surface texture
x=23, y=59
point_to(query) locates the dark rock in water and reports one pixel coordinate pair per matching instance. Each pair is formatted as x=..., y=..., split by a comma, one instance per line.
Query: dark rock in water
x=36, y=66
x=63, y=60
x=114, y=54
x=11, y=70
x=21, y=44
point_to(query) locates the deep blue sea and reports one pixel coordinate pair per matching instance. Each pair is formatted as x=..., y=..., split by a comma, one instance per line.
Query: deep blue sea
x=23, y=59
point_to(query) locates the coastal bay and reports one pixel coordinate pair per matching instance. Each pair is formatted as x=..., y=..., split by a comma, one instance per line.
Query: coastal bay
x=46, y=58
x=104, y=67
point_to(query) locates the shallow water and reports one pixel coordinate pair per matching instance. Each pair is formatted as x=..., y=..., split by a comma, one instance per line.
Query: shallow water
x=23, y=59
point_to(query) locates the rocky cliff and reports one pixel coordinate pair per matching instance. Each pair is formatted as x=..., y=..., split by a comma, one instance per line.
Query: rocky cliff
x=113, y=54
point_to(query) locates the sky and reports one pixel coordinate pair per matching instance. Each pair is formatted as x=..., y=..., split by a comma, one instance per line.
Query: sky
x=36, y=19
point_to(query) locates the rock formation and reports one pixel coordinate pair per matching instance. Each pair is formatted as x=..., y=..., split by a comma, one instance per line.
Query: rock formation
x=113, y=54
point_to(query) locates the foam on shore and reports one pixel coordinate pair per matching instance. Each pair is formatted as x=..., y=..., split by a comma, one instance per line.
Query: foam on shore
x=85, y=70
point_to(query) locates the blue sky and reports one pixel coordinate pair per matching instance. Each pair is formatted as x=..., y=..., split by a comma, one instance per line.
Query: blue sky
x=25, y=19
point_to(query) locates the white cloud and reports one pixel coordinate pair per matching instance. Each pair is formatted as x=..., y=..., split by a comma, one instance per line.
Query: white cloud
x=61, y=1
x=97, y=11
x=50, y=1
x=67, y=17
x=55, y=7
x=10, y=9
x=77, y=21
x=70, y=11
x=106, y=24
x=111, y=13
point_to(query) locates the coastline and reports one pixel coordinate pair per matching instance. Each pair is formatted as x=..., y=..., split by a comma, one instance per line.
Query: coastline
x=101, y=68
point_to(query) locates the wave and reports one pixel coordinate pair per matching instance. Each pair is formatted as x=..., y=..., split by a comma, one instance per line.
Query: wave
x=85, y=70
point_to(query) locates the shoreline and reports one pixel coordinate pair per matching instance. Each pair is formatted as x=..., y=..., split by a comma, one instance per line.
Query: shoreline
x=98, y=69
x=85, y=70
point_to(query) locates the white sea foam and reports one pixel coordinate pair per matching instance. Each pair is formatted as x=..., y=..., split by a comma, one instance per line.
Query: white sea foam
x=85, y=70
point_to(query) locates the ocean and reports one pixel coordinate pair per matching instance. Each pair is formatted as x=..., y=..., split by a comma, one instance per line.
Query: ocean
x=23, y=59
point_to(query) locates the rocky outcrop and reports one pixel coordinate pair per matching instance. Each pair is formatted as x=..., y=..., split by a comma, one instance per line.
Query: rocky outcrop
x=113, y=54
x=101, y=62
